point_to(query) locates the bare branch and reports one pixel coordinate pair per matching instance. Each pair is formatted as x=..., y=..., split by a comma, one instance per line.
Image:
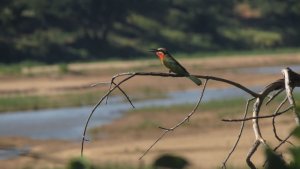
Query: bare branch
x=132, y=74
x=280, y=144
x=273, y=119
x=250, y=154
x=289, y=89
x=283, y=141
x=290, y=81
x=167, y=130
x=271, y=97
x=110, y=83
x=110, y=86
x=258, y=117
x=124, y=93
x=99, y=83
x=96, y=106
x=239, y=135
x=247, y=90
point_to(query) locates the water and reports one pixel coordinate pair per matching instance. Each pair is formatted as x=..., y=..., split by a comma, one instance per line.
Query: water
x=7, y=153
x=68, y=123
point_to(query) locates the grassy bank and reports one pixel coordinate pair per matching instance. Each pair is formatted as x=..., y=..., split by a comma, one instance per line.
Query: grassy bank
x=25, y=102
x=32, y=68
x=69, y=99
x=218, y=106
x=54, y=86
x=137, y=121
x=222, y=107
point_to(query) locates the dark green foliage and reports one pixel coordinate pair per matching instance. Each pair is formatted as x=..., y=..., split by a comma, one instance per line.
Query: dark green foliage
x=82, y=163
x=296, y=132
x=274, y=161
x=71, y=30
x=170, y=161
x=296, y=158
x=79, y=163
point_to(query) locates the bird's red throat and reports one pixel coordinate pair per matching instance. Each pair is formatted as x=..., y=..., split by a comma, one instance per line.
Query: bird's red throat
x=160, y=55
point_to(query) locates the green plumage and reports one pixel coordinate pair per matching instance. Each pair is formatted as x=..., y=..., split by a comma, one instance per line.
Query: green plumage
x=177, y=68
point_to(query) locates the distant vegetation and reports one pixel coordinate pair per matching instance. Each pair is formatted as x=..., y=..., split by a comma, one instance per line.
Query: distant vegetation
x=76, y=30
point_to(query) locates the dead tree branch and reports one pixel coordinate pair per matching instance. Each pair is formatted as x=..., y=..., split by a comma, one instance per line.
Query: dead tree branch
x=275, y=115
x=287, y=84
x=291, y=80
x=258, y=117
x=167, y=130
x=129, y=75
x=239, y=135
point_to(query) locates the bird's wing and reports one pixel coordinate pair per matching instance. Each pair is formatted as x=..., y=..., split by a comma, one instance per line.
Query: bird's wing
x=176, y=62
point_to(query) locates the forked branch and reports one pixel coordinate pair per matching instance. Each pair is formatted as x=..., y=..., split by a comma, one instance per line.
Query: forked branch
x=287, y=84
x=117, y=85
x=167, y=130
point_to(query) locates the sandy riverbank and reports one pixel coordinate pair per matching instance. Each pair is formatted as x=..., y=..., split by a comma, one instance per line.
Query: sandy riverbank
x=205, y=145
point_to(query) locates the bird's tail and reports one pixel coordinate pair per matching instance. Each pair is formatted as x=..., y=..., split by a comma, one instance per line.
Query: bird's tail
x=195, y=80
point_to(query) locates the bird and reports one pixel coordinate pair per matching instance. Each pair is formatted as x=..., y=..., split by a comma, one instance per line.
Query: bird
x=173, y=65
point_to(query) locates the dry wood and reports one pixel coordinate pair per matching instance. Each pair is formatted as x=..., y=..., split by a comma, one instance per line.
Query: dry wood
x=287, y=84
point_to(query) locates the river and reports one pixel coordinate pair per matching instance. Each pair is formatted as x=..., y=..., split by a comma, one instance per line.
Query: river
x=68, y=123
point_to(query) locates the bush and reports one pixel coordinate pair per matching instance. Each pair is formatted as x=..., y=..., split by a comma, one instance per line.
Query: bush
x=275, y=161
x=79, y=163
x=170, y=161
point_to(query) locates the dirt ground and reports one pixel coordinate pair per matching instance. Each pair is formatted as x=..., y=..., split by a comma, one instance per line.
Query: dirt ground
x=205, y=145
x=46, y=80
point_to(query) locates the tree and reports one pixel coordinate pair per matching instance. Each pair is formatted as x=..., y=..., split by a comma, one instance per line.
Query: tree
x=289, y=81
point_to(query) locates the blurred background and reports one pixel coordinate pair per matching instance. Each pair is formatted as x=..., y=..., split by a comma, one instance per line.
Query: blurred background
x=84, y=30
x=53, y=51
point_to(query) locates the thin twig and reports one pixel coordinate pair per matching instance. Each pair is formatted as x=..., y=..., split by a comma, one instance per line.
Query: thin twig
x=279, y=145
x=167, y=130
x=113, y=79
x=258, y=117
x=273, y=119
x=274, y=96
x=239, y=135
x=283, y=141
x=291, y=80
x=124, y=93
x=132, y=74
x=94, y=109
x=110, y=83
x=110, y=86
x=99, y=83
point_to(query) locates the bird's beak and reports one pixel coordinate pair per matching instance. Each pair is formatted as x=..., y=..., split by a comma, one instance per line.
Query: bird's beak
x=152, y=50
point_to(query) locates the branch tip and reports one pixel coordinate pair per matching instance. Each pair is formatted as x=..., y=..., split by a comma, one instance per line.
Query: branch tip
x=167, y=129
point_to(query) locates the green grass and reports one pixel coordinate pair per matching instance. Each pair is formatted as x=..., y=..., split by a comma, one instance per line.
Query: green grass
x=232, y=106
x=72, y=99
x=25, y=102
x=219, y=106
x=16, y=68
